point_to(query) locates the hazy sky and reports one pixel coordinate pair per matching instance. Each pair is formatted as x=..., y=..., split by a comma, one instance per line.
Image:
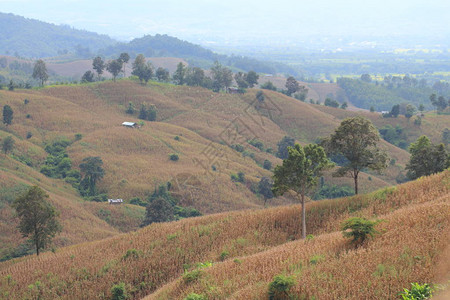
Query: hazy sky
x=241, y=19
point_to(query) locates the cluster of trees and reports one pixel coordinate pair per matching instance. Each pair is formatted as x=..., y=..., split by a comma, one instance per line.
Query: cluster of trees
x=439, y=102
x=161, y=206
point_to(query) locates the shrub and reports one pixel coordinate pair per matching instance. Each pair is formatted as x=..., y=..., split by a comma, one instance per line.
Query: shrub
x=173, y=157
x=241, y=177
x=29, y=135
x=224, y=255
x=267, y=164
x=280, y=286
x=192, y=276
x=119, y=292
x=257, y=144
x=194, y=296
x=234, y=177
x=176, y=138
x=78, y=136
x=360, y=229
x=238, y=147
x=417, y=292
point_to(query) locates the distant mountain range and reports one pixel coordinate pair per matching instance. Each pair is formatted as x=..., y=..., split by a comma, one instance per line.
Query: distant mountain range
x=30, y=38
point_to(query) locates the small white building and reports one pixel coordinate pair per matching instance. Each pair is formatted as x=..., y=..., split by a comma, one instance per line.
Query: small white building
x=115, y=201
x=130, y=124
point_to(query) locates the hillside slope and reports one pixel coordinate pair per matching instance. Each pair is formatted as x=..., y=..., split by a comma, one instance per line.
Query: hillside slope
x=33, y=38
x=155, y=257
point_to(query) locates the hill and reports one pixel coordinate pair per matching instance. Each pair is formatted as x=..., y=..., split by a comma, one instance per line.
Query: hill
x=32, y=38
x=201, y=127
x=235, y=255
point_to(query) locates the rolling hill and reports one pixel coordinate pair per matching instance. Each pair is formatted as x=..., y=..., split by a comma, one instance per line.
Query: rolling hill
x=194, y=123
x=235, y=255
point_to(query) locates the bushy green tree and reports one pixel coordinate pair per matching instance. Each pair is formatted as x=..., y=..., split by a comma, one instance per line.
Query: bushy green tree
x=269, y=86
x=40, y=71
x=359, y=229
x=280, y=286
x=195, y=77
x=265, y=188
x=283, y=145
x=91, y=168
x=417, y=292
x=38, y=218
x=158, y=210
x=98, y=65
x=299, y=173
x=124, y=58
x=222, y=77
x=114, y=67
x=426, y=158
x=331, y=102
x=119, y=292
x=162, y=74
x=7, y=114
x=292, y=86
x=7, y=144
x=356, y=139
x=88, y=76
x=141, y=69
x=179, y=76
x=251, y=78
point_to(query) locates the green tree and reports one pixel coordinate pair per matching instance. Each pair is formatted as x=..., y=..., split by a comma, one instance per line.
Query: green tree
x=7, y=114
x=417, y=292
x=124, y=58
x=130, y=109
x=331, y=102
x=7, y=144
x=426, y=158
x=119, y=292
x=283, y=145
x=114, y=67
x=241, y=80
x=195, y=77
x=421, y=107
x=91, y=168
x=38, y=218
x=409, y=111
x=98, y=65
x=265, y=188
x=222, y=77
x=252, y=78
x=441, y=103
x=179, y=76
x=158, y=210
x=162, y=74
x=356, y=139
x=299, y=173
x=395, y=111
x=141, y=69
x=260, y=96
x=359, y=229
x=292, y=86
x=269, y=86
x=366, y=78
x=40, y=71
x=372, y=109
x=88, y=76
x=344, y=105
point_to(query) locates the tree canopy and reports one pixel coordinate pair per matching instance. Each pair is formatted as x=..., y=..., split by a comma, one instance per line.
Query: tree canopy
x=356, y=139
x=38, y=218
x=426, y=158
x=7, y=144
x=7, y=114
x=299, y=173
x=141, y=69
x=91, y=168
x=114, y=67
x=292, y=86
x=40, y=72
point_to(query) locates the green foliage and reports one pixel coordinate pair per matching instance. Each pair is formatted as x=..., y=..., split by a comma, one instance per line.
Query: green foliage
x=426, y=158
x=158, y=210
x=58, y=164
x=98, y=65
x=7, y=144
x=238, y=147
x=299, y=173
x=316, y=259
x=222, y=77
x=267, y=164
x=132, y=254
x=148, y=113
x=241, y=177
x=173, y=157
x=360, y=229
x=269, y=86
x=92, y=171
x=38, y=218
x=331, y=102
x=417, y=292
x=265, y=186
x=180, y=74
x=333, y=191
x=283, y=145
x=162, y=74
x=88, y=76
x=192, y=276
x=141, y=69
x=394, y=135
x=292, y=86
x=280, y=286
x=40, y=72
x=7, y=114
x=224, y=254
x=114, y=67
x=257, y=144
x=119, y=292
x=356, y=140
x=194, y=296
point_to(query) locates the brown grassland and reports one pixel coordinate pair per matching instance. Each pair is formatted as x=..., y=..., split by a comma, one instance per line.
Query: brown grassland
x=247, y=248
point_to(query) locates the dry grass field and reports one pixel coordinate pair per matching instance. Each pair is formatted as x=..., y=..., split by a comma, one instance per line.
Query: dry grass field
x=247, y=248
x=194, y=123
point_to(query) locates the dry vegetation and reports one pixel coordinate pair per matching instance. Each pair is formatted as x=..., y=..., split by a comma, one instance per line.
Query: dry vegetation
x=154, y=258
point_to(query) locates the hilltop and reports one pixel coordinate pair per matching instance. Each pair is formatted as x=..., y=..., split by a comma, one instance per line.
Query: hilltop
x=235, y=255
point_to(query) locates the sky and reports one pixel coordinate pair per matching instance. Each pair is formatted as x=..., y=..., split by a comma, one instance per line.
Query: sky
x=243, y=20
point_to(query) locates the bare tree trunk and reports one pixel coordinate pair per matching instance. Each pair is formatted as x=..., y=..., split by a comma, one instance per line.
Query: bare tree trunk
x=303, y=217
x=355, y=177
